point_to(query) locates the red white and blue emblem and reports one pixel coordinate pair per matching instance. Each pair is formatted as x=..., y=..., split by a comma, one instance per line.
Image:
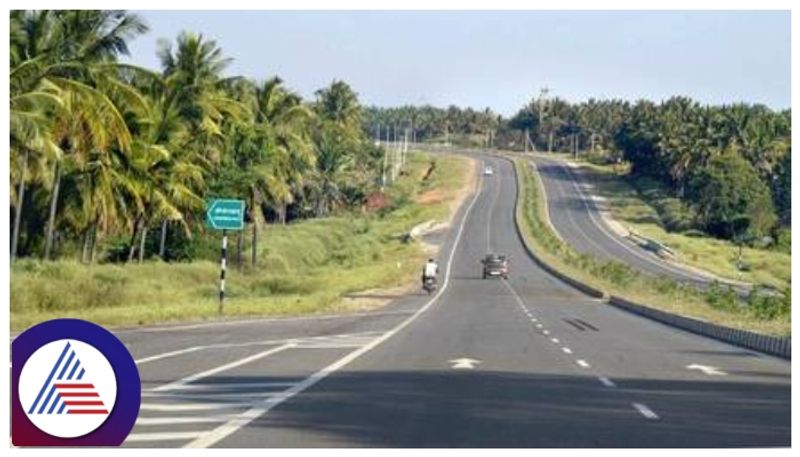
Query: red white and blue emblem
x=68, y=390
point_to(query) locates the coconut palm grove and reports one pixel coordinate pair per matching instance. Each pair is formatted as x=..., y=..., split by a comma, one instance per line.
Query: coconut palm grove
x=112, y=162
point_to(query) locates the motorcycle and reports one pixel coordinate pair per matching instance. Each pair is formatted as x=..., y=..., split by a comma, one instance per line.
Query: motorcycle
x=429, y=284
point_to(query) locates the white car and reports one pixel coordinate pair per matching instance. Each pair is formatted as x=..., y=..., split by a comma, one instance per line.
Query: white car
x=488, y=171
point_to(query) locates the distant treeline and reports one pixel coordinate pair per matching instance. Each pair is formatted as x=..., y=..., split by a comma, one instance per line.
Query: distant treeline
x=726, y=170
x=103, y=151
x=728, y=167
x=427, y=123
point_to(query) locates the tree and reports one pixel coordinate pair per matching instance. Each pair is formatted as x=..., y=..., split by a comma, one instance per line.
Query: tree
x=727, y=190
x=782, y=189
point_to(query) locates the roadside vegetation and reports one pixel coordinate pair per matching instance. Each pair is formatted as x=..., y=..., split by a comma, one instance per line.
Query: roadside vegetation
x=307, y=266
x=112, y=166
x=115, y=163
x=720, y=171
x=724, y=171
x=760, y=312
x=646, y=207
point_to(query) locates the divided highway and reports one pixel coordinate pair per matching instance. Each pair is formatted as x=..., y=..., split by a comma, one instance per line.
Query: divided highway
x=528, y=362
x=577, y=220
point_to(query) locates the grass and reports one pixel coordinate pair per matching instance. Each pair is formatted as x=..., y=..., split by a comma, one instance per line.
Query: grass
x=305, y=267
x=636, y=211
x=717, y=305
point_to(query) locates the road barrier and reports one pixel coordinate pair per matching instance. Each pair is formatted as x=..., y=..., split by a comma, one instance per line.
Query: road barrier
x=780, y=347
x=583, y=287
x=661, y=249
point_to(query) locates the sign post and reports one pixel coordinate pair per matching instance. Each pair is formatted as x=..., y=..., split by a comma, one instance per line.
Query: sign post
x=224, y=214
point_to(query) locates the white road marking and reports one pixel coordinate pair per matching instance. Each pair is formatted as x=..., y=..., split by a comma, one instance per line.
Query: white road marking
x=555, y=340
x=190, y=406
x=180, y=420
x=163, y=436
x=567, y=350
x=226, y=429
x=708, y=370
x=539, y=325
x=348, y=337
x=583, y=363
x=546, y=332
x=645, y=411
x=164, y=355
x=606, y=382
x=234, y=386
x=534, y=320
x=200, y=396
x=599, y=225
x=221, y=368
x=464, y=363
x=253, y=321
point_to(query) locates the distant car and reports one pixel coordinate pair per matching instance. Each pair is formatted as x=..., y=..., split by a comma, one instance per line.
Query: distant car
x=495, y=266
x=488, y=171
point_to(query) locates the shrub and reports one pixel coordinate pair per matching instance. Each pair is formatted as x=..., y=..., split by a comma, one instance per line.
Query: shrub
x=722, y=297
x=765, y=305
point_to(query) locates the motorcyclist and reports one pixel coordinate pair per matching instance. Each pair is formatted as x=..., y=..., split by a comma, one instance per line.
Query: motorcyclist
x=430, y=270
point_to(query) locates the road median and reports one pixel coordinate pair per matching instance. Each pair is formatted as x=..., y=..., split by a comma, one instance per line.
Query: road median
x=671, y=303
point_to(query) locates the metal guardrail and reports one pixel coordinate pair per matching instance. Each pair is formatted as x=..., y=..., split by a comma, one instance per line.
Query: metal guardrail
x=661, y=249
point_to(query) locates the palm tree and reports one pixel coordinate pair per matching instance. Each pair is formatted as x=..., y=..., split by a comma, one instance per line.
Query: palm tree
x=57, y=59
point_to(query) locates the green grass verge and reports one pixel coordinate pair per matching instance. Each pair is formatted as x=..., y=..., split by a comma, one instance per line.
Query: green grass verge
x=719, y=305
x=305, y=267
x=636, y=212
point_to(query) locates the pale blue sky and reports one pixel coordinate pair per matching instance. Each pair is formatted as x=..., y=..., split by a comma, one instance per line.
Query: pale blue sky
x=500, y=59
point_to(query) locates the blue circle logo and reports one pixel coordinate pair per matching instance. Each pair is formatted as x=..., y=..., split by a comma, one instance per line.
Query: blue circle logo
x=73, y=384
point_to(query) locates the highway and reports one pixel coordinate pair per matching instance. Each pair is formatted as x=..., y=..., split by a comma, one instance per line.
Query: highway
x=576, y=218
x=528, y=362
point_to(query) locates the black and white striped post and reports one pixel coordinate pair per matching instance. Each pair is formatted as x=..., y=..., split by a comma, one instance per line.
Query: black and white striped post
x=224, y=214
x=223, y=264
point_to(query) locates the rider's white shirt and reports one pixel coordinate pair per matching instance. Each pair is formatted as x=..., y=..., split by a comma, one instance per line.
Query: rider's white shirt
x=430, y=269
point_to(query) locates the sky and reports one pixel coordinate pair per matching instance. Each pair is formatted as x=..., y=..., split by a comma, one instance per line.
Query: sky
x=500, y=59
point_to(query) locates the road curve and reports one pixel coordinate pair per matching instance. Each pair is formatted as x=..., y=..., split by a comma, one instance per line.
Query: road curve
x=528, y=362
x=577, y=220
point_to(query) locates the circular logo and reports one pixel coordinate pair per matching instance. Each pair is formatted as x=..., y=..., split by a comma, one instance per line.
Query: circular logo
x=73, y=384
x=70, y=387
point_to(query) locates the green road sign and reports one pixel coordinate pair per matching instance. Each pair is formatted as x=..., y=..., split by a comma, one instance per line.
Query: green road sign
x=225, y=214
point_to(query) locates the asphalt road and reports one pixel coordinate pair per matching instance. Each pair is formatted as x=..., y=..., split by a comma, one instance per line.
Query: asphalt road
x=577, y=220
x=528, y=362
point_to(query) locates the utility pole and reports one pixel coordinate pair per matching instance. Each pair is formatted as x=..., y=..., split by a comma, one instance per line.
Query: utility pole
x=525, y=140
x=542, y=102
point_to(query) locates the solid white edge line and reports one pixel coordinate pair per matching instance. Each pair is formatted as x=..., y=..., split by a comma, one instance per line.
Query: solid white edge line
x=226, y=429
x=252, y=321
x=599, y=225
x=645, y=411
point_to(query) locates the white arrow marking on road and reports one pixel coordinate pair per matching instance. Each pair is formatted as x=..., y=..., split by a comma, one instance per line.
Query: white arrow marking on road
x=464, y=363
x=711, y=371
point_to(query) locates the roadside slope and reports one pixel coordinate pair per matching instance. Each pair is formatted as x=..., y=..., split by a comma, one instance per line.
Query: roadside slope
x=308, y=266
